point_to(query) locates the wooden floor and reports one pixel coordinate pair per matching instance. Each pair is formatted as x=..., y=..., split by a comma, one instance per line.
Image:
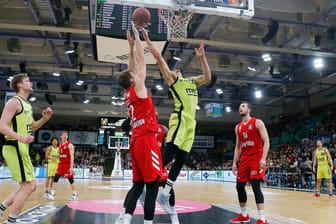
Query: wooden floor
x=300, y=206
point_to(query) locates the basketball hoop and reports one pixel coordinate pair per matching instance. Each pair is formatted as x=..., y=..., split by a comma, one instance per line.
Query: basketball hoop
x=176, y=21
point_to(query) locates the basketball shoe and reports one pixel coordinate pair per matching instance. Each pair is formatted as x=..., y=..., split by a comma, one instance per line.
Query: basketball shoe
x=51, y=196
x=174, y=218
x=259, y=221
x=119, y=219
x=240, y=218
x=74, y=197
x=164, y=202
x=46, y=194
x=317, y=195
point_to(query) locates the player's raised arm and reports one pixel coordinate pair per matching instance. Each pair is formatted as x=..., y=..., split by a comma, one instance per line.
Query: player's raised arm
x=168, y=75
x=206, y=76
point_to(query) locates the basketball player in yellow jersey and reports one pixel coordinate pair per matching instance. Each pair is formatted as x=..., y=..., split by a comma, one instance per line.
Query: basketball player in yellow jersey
x=182, y=121
x=17, y=124
x=52, y=156
x=324, y=164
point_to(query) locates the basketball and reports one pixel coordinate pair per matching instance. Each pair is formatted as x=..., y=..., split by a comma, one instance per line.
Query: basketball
x=141, y=16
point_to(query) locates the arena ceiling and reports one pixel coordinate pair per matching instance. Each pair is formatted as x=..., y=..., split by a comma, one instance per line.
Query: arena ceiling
x=33, y=34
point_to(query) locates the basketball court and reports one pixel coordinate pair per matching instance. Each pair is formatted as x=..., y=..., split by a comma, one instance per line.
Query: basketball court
x=198, y=202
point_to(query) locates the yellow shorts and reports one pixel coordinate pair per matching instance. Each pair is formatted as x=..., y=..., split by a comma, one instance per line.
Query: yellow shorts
x=51, y=169
x=323, y=172
x=181, y=131
x=18, y=161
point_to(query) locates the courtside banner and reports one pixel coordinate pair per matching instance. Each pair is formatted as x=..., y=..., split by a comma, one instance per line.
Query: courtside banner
x=40, y=172
x=229, y=176
x=79, y=173
x=87, y=173
x=216, y=175
x=6, y=172
x=183, y=175
x=195, y=175
x=128, y=174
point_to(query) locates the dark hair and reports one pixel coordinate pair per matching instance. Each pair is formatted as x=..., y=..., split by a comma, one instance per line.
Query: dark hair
x=53, y=138
x=124, y=79
x=248, y=104
x=17, y=79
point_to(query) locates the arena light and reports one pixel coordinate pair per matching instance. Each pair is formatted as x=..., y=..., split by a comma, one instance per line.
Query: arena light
x=32, y=99
x=228, y=109
x=56, y=74
x=79, y=82
x=318, y=63
x=251, y=69
x=258, y=94
x=266, y=57
x=159, y=87
x=86, y=101
x=219, y=91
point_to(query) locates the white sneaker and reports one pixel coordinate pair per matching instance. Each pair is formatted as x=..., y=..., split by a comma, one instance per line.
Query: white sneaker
x=119, y=219
x=174, y=219
x=164, y=202
x=46, y=195
x=142, y=198
x=74, y=197
x=51, y=196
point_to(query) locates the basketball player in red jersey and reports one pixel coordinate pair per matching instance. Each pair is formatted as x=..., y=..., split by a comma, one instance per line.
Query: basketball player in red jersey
x=66, y=166
x=252, y=146
x=144, y=148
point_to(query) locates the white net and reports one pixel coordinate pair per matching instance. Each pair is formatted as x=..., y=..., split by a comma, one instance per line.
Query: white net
x=177, y=23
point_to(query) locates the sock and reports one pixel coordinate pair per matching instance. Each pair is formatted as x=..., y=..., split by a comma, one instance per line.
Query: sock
x=52, y=192
x=3, y=206
x=244, y=211
x=168, y=187
x=12, y=218
x=74, y=192
x=122, y=213
x=261, y=214
x=148, y=221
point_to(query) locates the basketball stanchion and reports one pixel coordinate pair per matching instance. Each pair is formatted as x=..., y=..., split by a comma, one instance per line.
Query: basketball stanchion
x=177, y=22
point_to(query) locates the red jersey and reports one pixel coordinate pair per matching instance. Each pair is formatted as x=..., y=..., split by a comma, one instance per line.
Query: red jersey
x=141, y=112
x=64, y=153
x=160, y=135
x=251, y=142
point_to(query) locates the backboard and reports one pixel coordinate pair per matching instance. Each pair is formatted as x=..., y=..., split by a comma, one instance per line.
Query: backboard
x=115, y=142
x=243, y=9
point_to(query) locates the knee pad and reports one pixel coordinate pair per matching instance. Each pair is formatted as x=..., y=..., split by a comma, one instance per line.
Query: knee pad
x=71, y=180
x=56, y=178
x=258, y=195
x=242, y=197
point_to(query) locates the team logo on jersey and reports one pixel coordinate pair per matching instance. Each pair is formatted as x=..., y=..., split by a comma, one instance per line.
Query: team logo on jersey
x=250, y=127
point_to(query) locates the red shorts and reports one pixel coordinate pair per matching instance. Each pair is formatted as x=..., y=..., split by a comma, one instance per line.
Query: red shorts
x=249, y=168
x=63, y=170
x=146, y=158
x=164, y=176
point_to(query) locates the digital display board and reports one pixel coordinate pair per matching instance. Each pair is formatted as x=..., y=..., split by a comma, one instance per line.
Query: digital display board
x=114, y=20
